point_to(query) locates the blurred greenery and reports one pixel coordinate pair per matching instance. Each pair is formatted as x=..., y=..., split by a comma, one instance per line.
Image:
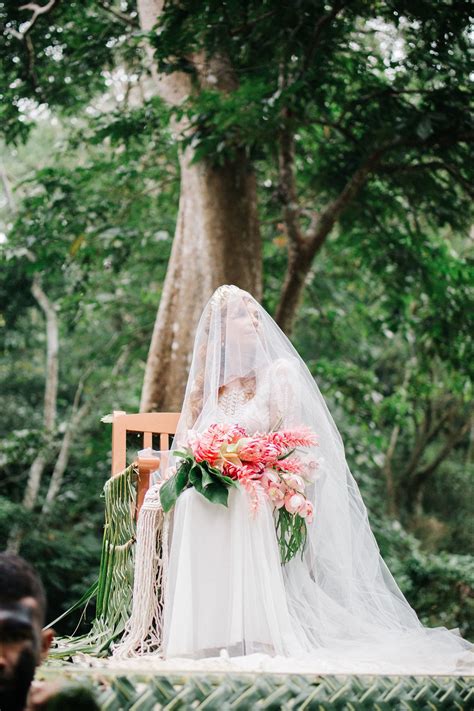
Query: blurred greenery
x=385, y=325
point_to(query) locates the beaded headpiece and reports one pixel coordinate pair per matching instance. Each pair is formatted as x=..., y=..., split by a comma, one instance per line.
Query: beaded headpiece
x=223, y=292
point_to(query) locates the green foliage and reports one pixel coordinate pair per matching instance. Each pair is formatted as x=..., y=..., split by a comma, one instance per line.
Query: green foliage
x=99, y=230
x=206, y=479
x=438, y=585
x=62, y=63
x=291, y=534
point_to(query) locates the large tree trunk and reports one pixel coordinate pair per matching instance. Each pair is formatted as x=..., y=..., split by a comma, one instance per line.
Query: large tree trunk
x=217, y=239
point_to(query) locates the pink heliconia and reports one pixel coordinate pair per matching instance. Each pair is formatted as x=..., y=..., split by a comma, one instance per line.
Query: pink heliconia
x=251, y=449
x=258, y=449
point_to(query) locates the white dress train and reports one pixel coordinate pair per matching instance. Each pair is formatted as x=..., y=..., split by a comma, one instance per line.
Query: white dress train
x=227, y=589
x=334, y=609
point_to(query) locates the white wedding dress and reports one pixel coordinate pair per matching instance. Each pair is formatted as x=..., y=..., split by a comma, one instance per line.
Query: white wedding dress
x=225, y=581
x=227, y=589
x=219, y=586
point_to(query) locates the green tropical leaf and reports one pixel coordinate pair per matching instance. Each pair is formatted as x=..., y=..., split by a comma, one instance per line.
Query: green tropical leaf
x=207, y=478
x=217, y=493
x=198, y=486
x=182, y=477
x=195, y=475
x=291, y=534
x=288, y=454
x=226, y=479
x=168, y=494
x=214, y=470
x=184, y=455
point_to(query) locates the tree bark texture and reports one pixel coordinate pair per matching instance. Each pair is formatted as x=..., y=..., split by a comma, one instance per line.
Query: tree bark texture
x=217, y=238
x=217, y=241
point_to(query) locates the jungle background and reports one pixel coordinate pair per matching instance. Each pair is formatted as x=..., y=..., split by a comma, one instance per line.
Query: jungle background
x=316, y=153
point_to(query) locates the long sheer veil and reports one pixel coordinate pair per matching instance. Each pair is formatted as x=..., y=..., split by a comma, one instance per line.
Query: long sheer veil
x=340, y=593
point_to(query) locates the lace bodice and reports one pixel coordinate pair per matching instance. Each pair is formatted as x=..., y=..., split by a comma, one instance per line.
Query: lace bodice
x=232, y=401
x=253, y=414
x=274, y=401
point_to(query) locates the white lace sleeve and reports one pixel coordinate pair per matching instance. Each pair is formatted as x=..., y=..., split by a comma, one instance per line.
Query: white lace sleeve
x=284, y=394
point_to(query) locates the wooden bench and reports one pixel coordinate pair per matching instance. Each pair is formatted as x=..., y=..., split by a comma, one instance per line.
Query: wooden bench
x=162, y=424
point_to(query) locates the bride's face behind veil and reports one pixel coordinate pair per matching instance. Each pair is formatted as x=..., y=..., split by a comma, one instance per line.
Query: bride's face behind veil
x=240, y=340
x=227, y=351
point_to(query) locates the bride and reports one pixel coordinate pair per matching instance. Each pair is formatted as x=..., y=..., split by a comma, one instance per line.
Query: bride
x=212, y=583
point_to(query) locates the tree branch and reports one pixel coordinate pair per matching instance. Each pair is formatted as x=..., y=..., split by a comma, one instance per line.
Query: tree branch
x=63, y=457
x=24, y=35
x=77, y=415
x=287, y=189
x=50, y=403
x=428, y=431
x=304, y=246
x=37, y=11
x=393, y=168
x=318, y=30
x=455, y=437
x=387, y=469
x=126, y=19
x=52, y=338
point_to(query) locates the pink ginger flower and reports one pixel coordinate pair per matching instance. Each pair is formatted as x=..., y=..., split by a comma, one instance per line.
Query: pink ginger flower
x=206, y=445
x=292, y=465
x=289, y=439
x=257, y=449
x=254, y=490
x=235, y=434
x=242, y=471
x=294, y=503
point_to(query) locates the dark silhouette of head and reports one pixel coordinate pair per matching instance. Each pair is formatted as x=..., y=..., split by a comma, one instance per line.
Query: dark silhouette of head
x=23, y=642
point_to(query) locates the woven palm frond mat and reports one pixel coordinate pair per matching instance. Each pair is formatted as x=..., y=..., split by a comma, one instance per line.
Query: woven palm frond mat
x=226, y=692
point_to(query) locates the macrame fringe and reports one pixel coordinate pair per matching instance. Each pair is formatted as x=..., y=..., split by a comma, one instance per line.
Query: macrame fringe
x=115, y=583
x=144, y=629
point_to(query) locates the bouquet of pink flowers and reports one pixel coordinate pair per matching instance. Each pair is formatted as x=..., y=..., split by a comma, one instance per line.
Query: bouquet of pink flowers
x=225, y=455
